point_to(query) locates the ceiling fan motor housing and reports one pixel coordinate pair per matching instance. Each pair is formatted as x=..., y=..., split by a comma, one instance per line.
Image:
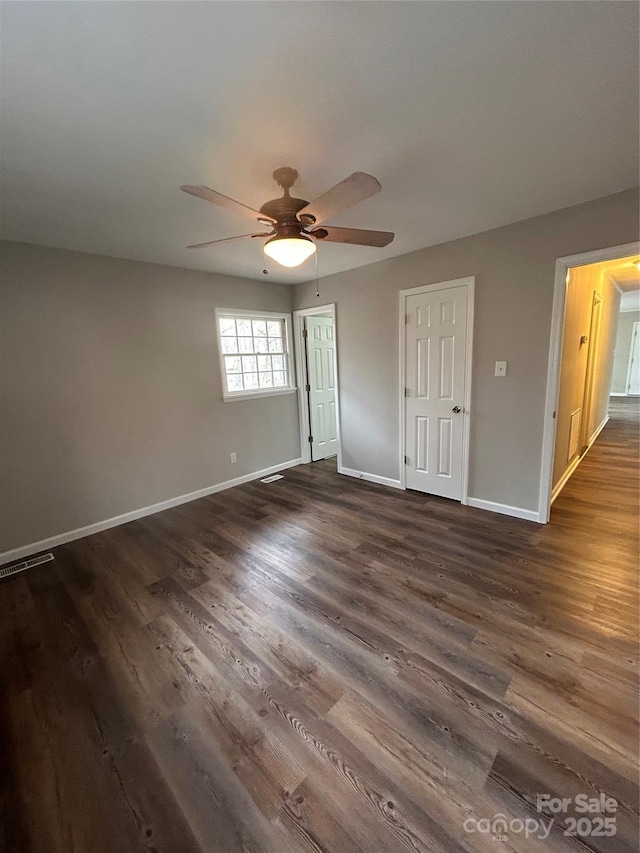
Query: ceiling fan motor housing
x=284, y=209
x=285, y=230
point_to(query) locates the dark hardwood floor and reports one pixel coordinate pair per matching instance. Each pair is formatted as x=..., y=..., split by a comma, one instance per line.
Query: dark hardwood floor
x=322, y=664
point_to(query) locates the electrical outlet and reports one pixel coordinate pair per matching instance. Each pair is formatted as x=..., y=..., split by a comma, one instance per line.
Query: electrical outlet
x=501, y=368
x=234, y=457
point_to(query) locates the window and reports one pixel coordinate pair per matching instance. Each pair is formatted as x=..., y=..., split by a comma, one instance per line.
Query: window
x=254, y=353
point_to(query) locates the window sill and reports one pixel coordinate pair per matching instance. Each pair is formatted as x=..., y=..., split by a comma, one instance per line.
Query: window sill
x=255, y=395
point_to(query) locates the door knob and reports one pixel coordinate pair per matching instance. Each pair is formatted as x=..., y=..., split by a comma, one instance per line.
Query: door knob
x=456, y=409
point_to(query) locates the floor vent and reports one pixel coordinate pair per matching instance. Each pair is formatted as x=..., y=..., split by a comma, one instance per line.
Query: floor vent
x=25, y=564
x=272, y=478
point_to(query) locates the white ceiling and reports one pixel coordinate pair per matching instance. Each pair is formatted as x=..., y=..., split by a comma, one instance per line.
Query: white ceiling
x=624, y=272
x=630, y=300
x=471, y=115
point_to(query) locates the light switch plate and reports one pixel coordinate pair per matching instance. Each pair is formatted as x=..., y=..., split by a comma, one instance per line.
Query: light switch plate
x=501, y=368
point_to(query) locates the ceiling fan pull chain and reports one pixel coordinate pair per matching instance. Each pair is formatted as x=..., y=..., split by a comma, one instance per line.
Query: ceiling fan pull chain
x=317, y=283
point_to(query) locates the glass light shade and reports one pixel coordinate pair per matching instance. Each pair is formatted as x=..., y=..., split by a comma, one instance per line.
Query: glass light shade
x=289, y=251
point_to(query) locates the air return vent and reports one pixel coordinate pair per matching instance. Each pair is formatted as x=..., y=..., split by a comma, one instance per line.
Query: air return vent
x=26, y=564
x=272, y=478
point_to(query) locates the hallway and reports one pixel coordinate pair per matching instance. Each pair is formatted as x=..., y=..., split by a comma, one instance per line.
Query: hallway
x=602, y=497
x=324, y=664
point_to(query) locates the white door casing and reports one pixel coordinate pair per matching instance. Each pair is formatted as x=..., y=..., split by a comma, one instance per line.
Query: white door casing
x=591, y=371
x=437, y=362
x=563, y=266
x=320, y=343
x=633, y=378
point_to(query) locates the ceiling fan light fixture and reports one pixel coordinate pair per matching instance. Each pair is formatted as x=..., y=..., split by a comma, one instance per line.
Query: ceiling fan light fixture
x=289, y=251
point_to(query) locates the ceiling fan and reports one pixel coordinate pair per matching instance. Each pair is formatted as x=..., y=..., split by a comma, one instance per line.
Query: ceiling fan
x=293, y=221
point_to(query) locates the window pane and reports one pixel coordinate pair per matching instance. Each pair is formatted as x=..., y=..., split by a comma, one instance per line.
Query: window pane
x=264, y=362
x=229, y=344
x=253, y=353
x=234, y=382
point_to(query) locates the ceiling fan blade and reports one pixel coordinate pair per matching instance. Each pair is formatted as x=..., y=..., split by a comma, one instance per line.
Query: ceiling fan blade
x=353, y=189
x=227, y=240
x=355, y=236
x=214, y=197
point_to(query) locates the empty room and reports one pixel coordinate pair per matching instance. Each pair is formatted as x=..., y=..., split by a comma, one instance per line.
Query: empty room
x=319, y=426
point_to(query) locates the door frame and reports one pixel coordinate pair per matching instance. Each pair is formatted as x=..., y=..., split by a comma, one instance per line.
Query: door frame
x=595, y=323
x=469, y=283
x=302, y=378
x=635, y=330
x=563, y=265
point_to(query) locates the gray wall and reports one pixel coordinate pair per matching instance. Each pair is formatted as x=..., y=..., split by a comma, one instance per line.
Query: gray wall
x=111, y=392
x=514, y=268
x=623, y=346
x=583, y=282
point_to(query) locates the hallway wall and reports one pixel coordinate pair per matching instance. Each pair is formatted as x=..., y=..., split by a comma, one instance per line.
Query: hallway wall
x=623, y=345
x=573, y=370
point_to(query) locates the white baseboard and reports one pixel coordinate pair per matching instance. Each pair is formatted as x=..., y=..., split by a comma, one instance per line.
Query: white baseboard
x=559, y=486
x=370, y=478
x=599, y=429
x=562, y=482
x=504, y=509
x=80, y=532
x=618, y=394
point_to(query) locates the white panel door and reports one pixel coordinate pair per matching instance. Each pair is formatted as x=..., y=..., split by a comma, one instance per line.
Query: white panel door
x=435, y=356
x=322, y=386
x=633, y=384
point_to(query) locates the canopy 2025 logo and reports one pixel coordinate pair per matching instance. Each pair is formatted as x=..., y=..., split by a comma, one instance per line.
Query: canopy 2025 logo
x=591, y=817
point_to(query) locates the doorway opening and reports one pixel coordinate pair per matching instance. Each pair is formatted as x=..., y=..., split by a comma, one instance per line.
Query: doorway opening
x=624, y=402
x=625, y=381
x=589, y=290
x=316, y=354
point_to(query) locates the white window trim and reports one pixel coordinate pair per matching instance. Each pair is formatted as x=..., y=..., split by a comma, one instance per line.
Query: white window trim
x=266, y=392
